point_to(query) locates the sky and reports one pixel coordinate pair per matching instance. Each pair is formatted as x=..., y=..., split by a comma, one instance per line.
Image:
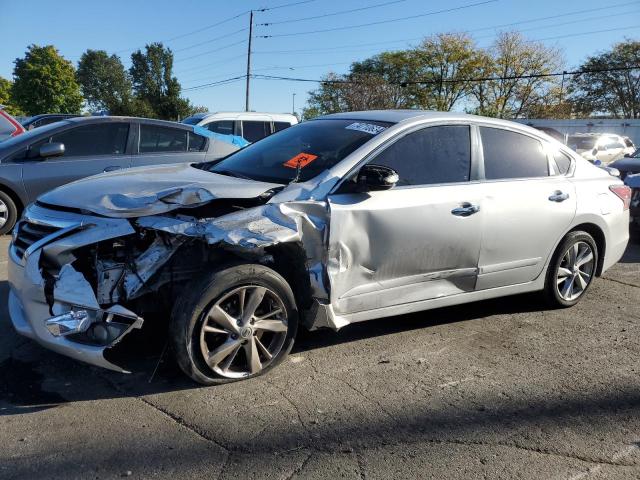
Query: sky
x=209, y=37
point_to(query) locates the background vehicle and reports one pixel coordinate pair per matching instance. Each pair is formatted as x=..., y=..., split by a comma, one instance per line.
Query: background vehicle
x=252, y=126
x=629, y=168
x=9, y=126
x=341, y=219
x=600, y=146
x=61, y=152
x=45, y=119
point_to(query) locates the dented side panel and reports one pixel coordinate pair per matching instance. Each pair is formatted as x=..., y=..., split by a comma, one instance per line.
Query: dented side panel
x=403, y=245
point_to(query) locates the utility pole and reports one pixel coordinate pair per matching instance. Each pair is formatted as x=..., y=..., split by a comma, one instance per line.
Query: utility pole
x=293, y=104
x=246, y=101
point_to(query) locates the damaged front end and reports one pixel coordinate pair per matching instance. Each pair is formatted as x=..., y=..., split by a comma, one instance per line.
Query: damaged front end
x=80, y=282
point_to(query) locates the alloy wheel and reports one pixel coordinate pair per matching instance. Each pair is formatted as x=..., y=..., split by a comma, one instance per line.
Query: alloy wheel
x=575, y=271
x=4, y=213
x=243, y=331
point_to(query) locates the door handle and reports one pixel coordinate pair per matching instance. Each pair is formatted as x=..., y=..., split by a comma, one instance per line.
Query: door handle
x=559, y=196
x=111, y=168
x=465, y=210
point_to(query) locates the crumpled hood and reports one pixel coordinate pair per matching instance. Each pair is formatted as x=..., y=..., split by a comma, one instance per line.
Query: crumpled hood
x=145, y=191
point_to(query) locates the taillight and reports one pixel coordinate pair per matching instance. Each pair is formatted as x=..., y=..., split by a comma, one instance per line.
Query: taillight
x=623, y=193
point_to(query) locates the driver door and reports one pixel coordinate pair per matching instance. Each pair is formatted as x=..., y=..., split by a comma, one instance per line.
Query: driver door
x=419, y=240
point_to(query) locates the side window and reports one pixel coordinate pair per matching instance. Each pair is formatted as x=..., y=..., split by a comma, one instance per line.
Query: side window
x=252, y=131
x=97, y=139
x=277, y=126
x=432, y=155
x=563, y=162
x=225, y=127
x=512, y=155
x=6, y=128
x=155, y=138
x=196, y=142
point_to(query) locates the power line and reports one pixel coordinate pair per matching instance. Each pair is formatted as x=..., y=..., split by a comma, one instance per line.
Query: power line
x=210, y=40
x=215, y=84
x=266, y=9
x=211, y=51
x=451, y=80
x=380, y=22
x=369, y=7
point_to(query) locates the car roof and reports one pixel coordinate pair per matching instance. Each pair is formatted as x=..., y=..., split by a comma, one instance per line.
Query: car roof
x=397, y=116
x=247, y=114
x=113, y=118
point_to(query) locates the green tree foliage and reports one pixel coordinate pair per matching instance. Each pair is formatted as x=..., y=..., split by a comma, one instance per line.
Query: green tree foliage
x=612, y=93
x=44, y=82
x=156, y=89
x=438, y=75
x=5, y=97
x=105, y=83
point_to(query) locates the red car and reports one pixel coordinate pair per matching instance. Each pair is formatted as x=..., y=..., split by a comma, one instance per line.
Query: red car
x=9, y=126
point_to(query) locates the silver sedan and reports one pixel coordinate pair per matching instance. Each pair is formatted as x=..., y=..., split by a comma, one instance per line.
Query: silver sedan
x=345, y=218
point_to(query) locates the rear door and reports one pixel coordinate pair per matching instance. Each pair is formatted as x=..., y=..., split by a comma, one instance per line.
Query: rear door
x=89, y=150
x=160, y=144
x=527, y=207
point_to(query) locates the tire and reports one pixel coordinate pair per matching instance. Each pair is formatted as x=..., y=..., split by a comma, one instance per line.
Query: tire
x=212, y=302
x=8, y=213
x=564, y=286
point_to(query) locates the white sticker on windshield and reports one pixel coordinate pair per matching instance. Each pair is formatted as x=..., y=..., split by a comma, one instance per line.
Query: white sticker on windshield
x=369, y=128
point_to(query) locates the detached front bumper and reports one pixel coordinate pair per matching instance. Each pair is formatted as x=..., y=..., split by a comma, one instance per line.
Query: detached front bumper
x=28, y=307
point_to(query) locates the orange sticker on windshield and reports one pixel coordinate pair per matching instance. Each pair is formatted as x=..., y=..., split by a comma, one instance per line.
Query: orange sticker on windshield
x=301, y=160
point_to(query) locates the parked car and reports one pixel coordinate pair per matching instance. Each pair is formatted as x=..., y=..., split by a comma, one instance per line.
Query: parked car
x=341, y=219
x=9, y=126
x=252, y=126
x=45, y=119
x=602, y=147
x=61, y=152
x=629, y=168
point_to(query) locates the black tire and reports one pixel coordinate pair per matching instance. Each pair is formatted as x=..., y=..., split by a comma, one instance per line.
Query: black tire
x=201, y=294
x=551, y=290
x=10, y=216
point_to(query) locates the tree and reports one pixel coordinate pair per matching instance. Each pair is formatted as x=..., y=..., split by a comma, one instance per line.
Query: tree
x=446, y=61
x=5, y=97
x=607, y=91
x=156, y=89
x=45, y=82
x=516, y=70
x=105, y=83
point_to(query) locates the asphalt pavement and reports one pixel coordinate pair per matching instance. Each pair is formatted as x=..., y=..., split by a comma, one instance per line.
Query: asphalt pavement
x=496, y=389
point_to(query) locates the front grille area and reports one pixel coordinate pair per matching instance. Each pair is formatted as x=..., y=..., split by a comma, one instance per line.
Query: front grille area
x=29, y=233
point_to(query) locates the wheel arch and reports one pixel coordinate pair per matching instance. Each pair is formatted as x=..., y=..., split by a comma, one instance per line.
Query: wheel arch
x=598, y=236
x=290, y=261
x=20, y=204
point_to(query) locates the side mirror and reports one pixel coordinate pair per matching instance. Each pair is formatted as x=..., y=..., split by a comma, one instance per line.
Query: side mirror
x=376, y=177
x=627, y=155
x=51, y=150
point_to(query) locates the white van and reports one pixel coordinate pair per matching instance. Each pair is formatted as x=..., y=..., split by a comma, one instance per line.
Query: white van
x=252, y=126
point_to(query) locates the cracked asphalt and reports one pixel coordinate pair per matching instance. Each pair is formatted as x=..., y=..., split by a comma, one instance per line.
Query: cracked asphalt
x=497, y=389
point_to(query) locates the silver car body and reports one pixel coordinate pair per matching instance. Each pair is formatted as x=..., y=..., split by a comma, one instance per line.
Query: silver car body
x=387, y=253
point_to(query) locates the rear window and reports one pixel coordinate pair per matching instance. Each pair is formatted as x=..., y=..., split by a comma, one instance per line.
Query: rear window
x=512, y=155
x=196, y=142
x=154, y=138
x=6, y=128
x=581, y=143
x=277, y=126
x=252, y=131
x=224, y=127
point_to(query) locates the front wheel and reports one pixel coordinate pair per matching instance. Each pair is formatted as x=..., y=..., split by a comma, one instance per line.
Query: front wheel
x=572, y=269
x=234, y=323
x=8, y=213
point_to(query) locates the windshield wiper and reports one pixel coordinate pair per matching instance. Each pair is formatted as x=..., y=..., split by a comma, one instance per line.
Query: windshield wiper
x=231, y=173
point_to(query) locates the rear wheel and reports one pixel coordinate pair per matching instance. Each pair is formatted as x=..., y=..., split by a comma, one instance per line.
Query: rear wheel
x=233, y=324
x=8, y=213
x=572, y=269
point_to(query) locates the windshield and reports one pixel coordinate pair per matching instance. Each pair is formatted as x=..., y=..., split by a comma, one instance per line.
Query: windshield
x=192, y=120
x=301, y=151
x=582, y=143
